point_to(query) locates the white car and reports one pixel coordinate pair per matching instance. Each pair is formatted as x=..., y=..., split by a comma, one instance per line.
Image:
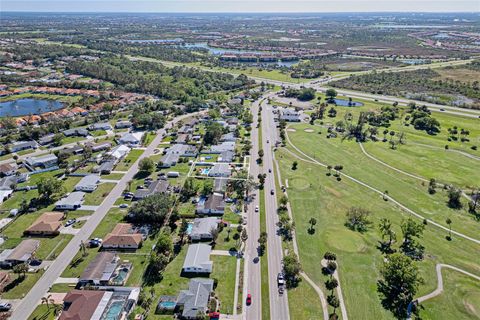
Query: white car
x=256, y=208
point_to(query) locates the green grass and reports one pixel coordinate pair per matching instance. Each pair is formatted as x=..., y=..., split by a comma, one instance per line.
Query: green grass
x=407, y=190
x=313, y=194
x=139, y=263
x=303, y=302
x=62, y=287
x=264, y=261
x=45, y=96
x=127, y=162
x=96, y=197
x=149, y=138
x=224, y=242
x=459, y=300
x=113, y=176
x=41, y=312
x=20, y=290
x=224, y=269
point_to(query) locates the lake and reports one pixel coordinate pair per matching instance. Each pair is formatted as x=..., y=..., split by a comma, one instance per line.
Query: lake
x=347, y=103
x=24, y=107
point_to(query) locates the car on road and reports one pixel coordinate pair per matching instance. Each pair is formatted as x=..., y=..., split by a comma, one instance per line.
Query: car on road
x=5, y=306
x=272, y=192
x=280, y=279
x=70, y=222
x=442, y=109
x=269, y=170
x=123, y=205
x=268, y=141
x=256, y=209
x=249, y=299
x=281, y=290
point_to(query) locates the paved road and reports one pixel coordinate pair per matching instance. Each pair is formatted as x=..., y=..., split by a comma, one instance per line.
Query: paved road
x=252, y=274
x=278, y=303
x=29, y=303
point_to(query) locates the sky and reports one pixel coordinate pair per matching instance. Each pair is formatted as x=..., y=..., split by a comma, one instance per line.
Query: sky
x=241, y=5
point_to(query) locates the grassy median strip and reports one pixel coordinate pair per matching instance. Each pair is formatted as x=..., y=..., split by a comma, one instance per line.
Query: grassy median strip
x=264, y=262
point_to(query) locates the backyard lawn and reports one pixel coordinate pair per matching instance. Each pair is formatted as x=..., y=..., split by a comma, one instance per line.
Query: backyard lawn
x=96, y=197
x=130, y=159
x=224, y=270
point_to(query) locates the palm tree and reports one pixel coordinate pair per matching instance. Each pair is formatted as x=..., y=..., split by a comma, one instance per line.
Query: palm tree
x=46, y=300
x=83, y=248
x=56, y=309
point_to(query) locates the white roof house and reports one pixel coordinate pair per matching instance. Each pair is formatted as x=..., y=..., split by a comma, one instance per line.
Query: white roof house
x=198, y=259
x=119, y=152
x=195, y=299
x=220, y=170
x=71, y=202
x=290, y=115
x=131, y=138
x=45, y=161
x=88, y=183
x=202, y=228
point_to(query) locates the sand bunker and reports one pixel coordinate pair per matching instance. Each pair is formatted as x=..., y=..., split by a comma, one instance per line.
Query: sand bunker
x=309, y=130
x=291, y=130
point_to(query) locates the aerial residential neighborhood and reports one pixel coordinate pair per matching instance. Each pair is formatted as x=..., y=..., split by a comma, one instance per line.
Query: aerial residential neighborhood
x=214, y=160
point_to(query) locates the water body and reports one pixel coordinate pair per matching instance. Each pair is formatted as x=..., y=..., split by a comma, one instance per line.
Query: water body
x=23, y=107
x=221, y=51
x=347, y=103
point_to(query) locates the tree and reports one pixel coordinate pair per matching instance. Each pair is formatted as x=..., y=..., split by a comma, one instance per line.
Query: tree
x=454, y=195
x=213, y=133
x=261, y=179
x=387, y=231
x=146, y=165
x=312, y=222
x=330, y=256
x=399, y=284
x=83, y=248
x=207, y=187
x=331, y=94
x=294, y=165
x=291, y=268
x=49, y=189
x=46, y=301
x=164, y=244
x=20, y=269
x=57, y=139
x=358, y=219
x=432, y=184
x=214, y=234
x=449, y=222
x=262, y=240
x=410, y=246
x=331, y=284
x=333, y=302
x=152, y=209
x=189, y=189
x=284, y=201
x=182, y=232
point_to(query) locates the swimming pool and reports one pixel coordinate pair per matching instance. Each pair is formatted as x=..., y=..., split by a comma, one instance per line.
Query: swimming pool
x=119, y=279
x=189, y=228
x=346, y=103
x=114, y=310
x=168, y=304
x=205, y=171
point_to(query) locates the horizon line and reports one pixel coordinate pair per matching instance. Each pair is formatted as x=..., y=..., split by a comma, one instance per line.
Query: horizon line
x=242, y=12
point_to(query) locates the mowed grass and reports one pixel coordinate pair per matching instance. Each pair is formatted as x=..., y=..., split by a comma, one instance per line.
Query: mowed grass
x=96, y=197
x=313, y=194
x=459, y=300
x=224, y=270
x=130, y=159
x=408, y=191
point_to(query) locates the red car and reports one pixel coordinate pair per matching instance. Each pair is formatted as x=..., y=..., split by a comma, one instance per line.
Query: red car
x=249, y=299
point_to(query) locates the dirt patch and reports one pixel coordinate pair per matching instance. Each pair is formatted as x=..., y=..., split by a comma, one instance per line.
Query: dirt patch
x=309, y=130
x=291, y=130
x=333, y=192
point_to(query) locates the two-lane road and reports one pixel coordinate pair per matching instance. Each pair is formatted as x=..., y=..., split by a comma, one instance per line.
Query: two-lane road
x=31, y=300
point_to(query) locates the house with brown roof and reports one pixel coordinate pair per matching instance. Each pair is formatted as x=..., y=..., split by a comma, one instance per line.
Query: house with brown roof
x=20, y=254
x=48, y=224
x=81, y=304
x=7, y=169
x=123, y=236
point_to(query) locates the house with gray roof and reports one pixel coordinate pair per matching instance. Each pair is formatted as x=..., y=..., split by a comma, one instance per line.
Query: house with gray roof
x=220, y=170
x=219, y=148
x=23, y=145
x=88, y=183
x=194, y=301
x=202, y=227
x=131, y=139
x=158, y=186
x=214, y=204
x=197, y=259
x=228, y=137
x=220, y=185
x=75, y=132
x=226, y=156
x=100, y=270
x=123, y=124
x=106, y=167
x=100, y=126
x=46, y=161
x=71, y=202
x=72, y=150
x=22, y=253
x=46, y=139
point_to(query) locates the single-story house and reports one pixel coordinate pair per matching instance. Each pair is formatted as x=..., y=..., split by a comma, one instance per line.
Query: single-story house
x=158, y=186
x=119, y=152
x=123, y=124
x=185, y=129
x=46, y=139
x=23, y=145
x=46, y=161
x=228, y=137
x=220, y=170
x=99, y=146
x=95, y=304
x=219, y=148
x=131, y=138
x=106, y=167
x=194, y=301
x=197, y=259
x=290, y=115
x=100, y=270
x=182, y=150
x=214, y=204
x=75, y=132
x=123, y=236
x=182, y=138
x=226, y=156
x=71, y=202
x=22, y=253
x=88, y=183
x=202, y=227
x=7, y=169
x=71, y=150
x=100, y=126
x=48, y=224
x=169, y=160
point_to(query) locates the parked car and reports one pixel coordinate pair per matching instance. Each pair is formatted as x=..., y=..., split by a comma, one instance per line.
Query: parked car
x=5, y=306
x=123, y=205
x=35, y=262
x=70, y=222
x=249, y=299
